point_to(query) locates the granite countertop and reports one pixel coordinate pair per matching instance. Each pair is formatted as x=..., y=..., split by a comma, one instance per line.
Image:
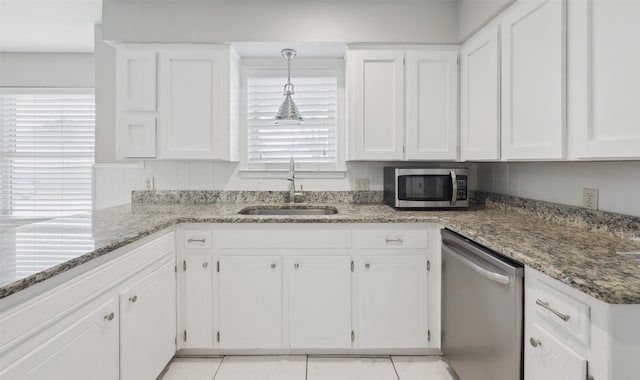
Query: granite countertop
x=579, y=257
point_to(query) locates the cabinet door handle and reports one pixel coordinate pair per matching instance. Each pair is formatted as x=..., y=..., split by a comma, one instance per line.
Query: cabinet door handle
x=367, y=266
x=273, y=266
x=205, y=264
x=109, y=317
x=296, y=265
x=398, y=240
x=133, y=299
x=203, y=240
x=535, y=342
x=545, y=305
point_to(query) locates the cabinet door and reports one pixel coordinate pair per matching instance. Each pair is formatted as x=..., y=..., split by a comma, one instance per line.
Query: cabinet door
x=191, y=114
x=135, y=79
x=604, y=79
x=432, y=105
x=533, y=80
x=392, y=293
x=550, y=359
x=319, y=301
x=148, y=324
x=136, y=135
x=250, y=302
x=376, y=101
x=88, y=347
x=198, y=302
x=480, y=98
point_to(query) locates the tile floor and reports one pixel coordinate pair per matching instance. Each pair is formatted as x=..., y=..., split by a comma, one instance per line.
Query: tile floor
x=301, y=367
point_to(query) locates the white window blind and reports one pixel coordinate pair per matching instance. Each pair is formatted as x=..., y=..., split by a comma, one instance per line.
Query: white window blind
x=47, y=151
x=312, y=142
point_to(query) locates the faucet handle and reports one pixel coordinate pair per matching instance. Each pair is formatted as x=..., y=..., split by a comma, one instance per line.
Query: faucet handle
x=299, y=196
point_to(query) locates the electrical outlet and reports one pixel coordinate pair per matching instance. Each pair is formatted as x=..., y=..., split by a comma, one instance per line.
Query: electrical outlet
x=590, y=198
x=148, y=183
x=362, y=184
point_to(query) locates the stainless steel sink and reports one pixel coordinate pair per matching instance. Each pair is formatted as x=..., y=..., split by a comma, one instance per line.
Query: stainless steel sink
x=288, y=210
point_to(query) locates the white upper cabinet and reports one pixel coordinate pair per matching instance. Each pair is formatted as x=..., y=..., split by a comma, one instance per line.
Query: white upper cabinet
x=136, y=79
x=376, y=101
x=135, y=102
x=480, y=97
x=136, y=135
x=381, y=90
x=533, y=80
x=432, y=105
x=604, y=79
x=194, y=114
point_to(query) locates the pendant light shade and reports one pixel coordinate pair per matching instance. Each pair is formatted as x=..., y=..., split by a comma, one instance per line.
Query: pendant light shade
x=288, y=112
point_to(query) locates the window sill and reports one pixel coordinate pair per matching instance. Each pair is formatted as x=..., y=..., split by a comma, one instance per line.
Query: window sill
x=300, y=174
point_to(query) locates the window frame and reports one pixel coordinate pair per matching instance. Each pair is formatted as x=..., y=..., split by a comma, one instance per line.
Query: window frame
x=13, y=220
x=277, y=67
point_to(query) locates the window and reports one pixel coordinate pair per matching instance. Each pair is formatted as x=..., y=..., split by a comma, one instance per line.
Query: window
x=315, y=144
x=47, y=152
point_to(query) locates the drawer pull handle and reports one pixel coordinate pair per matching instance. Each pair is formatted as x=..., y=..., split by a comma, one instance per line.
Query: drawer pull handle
x=203, y=240
x=273, y=266
x=535, y=342
x=205, y=264
x=367, y=266
x=387, y=240
x=545, y=305
x=296, y=265
x=133, y=299
x=109, y=317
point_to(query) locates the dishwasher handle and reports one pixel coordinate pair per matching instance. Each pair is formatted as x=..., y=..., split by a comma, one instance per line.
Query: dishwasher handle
x=493, y=276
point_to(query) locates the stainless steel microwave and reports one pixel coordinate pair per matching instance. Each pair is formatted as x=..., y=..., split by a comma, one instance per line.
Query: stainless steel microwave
x=426, y=188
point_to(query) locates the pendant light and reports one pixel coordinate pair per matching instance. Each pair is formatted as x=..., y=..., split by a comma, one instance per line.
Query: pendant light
x=288, y=112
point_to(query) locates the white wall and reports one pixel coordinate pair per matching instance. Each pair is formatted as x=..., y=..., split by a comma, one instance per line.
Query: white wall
x=105, y=69
x=273, y=21
x=562, y=182
x=473, y=14
x=73, y=70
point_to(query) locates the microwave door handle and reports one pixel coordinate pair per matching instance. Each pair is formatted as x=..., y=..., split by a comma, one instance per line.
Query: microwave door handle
x=454, y=187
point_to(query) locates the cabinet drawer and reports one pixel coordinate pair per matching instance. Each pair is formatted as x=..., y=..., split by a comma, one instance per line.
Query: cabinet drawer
x=197, y=239
x=393, y=239
x=282, y=238
x=560, y=312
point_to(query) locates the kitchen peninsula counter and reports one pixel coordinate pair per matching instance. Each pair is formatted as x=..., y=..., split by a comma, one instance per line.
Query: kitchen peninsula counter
x=579, y=256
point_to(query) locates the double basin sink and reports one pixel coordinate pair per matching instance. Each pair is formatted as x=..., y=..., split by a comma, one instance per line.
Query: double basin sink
x=289, y=209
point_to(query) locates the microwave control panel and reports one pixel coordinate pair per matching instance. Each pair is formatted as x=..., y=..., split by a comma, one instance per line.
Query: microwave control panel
x=462, y=188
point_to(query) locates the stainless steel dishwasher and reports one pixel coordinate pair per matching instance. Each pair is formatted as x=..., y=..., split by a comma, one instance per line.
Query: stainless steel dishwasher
x=482, y=301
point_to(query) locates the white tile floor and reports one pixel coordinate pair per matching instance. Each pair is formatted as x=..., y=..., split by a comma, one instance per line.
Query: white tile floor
x=301, y=367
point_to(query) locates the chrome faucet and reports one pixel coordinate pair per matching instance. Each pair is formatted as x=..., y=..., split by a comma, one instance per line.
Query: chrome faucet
x=292, y=177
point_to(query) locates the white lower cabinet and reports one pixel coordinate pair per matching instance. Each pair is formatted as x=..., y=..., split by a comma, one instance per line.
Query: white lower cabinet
x=319, y=301
x=569, y=335
x=197, y=298
x=250, y=302
x=147, y=324
x=89, y=345
x=309, y=288
x=548, y=358
x=393, y=301
x=115, y=321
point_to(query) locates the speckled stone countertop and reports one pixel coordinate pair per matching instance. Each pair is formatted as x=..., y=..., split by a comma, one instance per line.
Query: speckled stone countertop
x=577, y=256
